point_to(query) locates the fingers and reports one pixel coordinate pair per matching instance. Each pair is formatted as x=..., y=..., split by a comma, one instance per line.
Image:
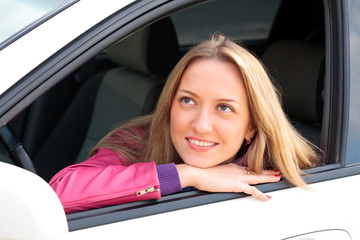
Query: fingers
x=264, y=177
x=251, y=190
x=270, y=172
x=258, y=179
x=264, y=173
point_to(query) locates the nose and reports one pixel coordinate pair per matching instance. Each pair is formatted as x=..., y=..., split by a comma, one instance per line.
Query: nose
x=202, y=122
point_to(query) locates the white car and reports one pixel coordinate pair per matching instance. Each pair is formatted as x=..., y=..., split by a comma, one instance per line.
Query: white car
x=67, y=65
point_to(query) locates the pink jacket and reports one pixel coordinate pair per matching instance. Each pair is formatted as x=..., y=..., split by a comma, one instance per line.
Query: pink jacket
x=105, y=179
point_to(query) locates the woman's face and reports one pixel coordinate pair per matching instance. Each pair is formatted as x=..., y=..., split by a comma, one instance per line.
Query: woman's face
x=210, y=115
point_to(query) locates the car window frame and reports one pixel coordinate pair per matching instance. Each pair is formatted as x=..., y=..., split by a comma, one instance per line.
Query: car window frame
x=352, y=147
x=336, y=102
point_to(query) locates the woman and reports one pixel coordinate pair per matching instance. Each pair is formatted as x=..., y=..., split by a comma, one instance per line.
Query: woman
x=218, y=126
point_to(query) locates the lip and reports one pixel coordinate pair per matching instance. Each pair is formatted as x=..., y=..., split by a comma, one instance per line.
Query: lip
x=200, y=148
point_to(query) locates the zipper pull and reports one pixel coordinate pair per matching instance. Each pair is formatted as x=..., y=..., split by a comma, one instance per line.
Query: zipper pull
x=148, y=190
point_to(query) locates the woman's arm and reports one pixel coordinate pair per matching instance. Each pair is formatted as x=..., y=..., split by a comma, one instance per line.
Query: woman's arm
x=104, y=180
x=226, y=178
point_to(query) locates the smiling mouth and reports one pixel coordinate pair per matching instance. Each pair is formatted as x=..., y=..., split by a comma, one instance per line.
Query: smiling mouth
x=201, y=143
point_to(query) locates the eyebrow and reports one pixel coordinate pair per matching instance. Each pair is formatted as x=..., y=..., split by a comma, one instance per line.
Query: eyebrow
x=218, y=100
x=188, y=92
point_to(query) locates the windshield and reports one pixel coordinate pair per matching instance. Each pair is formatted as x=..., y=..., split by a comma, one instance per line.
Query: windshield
x=19, y=16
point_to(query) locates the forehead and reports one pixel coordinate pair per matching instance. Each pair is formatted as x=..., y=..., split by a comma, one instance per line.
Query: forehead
x=212, y=61
x=211, y=70
x=212, y=76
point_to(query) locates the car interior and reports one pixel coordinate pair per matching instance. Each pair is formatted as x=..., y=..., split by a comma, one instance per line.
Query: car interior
x=125, y=80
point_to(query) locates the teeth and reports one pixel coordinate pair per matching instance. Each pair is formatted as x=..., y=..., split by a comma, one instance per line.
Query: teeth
x=201, y=143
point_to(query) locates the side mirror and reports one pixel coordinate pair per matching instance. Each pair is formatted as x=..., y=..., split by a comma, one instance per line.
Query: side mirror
x=29, y=207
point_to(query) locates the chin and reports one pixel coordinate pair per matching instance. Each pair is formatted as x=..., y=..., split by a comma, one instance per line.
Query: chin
x=199, y=164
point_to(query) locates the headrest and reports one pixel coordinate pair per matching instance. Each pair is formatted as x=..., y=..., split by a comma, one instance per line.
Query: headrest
x=151, y=50
x=298, y=67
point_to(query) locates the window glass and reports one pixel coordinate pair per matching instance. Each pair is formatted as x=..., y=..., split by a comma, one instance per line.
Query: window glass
x=239, y=19
x=13, y=19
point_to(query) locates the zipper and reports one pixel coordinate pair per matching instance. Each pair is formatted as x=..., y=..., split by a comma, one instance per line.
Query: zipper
x=76, y=204
x=145, y=191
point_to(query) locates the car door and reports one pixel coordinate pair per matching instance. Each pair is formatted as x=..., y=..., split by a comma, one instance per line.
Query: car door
x=326, y=210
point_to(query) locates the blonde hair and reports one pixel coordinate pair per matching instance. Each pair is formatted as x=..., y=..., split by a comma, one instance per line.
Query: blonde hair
x=276, y=145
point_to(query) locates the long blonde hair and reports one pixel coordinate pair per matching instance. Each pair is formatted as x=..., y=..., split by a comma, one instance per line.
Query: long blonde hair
x=276, y=144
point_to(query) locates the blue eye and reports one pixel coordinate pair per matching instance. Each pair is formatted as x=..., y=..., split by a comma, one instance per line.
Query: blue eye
x=225, y=108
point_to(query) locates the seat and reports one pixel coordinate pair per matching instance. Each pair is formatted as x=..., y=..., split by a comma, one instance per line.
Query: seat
x=112, y=97
x=298, y=67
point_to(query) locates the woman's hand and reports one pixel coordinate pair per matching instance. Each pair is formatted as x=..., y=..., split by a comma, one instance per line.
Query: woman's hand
x=226, y=178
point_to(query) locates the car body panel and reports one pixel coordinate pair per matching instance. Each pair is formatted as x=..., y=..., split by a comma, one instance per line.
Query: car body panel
x=287, y=214
x=29, y=208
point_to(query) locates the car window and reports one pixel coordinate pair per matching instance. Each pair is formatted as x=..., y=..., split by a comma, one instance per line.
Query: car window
x=239, y=19
x=40, y=126
x=13, y=20
x=44, y=137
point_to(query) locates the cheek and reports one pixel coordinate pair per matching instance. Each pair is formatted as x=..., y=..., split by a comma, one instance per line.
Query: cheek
x=234, y=132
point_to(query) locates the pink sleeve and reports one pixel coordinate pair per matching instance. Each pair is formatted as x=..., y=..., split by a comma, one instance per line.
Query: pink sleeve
x=105, y=180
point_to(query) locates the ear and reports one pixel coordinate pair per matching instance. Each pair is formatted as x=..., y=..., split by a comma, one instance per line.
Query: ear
x=250, y=133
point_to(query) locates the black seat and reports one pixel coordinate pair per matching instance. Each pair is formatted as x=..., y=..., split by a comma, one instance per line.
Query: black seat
x=112, y=97
x=298, y=66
